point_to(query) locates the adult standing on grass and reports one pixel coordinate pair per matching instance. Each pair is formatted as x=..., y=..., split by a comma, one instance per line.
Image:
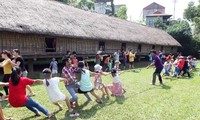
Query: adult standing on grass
x=7, y=65
x=17, y=96
x=131, y=59
x=116, y=55
x=124, y=55
x=19, y=61
x=54, y=67
x=159, y=66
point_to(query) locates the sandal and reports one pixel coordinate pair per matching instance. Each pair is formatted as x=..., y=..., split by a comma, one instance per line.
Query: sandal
x=74, y=115
x=37, y=115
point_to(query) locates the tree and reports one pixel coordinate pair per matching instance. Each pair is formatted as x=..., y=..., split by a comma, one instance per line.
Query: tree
x=192, y=13
x=159, y=24
x=86, y=3
x=181, y=31
x=122, y=12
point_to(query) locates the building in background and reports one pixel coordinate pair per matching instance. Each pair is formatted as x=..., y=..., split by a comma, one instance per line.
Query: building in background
x=154, y=11
x=104, y=7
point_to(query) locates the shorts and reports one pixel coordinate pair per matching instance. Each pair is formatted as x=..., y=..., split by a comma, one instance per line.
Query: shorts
x=131, y=63
x=83, y=92
x=54, y=71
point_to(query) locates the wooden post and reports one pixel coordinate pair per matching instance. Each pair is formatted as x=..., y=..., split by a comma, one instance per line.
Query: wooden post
x=30, y=65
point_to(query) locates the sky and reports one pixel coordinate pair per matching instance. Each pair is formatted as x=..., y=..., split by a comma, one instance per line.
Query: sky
x=134, y=7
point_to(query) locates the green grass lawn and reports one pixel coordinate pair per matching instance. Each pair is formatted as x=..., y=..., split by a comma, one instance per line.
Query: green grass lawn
x=178, y=99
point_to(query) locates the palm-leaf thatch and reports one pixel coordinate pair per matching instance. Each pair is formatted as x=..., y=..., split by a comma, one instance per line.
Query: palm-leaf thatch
x=47, y=17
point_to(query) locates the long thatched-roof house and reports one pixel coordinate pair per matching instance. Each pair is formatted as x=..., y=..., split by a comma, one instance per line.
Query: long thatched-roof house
x=40, y=28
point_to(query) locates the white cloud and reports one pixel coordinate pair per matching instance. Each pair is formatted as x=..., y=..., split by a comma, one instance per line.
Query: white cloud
x=135, y=8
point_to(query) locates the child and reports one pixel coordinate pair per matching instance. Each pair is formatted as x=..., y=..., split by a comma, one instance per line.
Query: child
x=85, y=83
x=54, y=93
x=17, y=93
x=167, y=67
x=106, y=63
x=98, y=80
x=117, y=63
x=116, y=86
x=186, y=69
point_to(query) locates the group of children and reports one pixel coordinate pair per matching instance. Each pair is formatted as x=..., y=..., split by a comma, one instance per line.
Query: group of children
x=76, y=77
x=181, y=64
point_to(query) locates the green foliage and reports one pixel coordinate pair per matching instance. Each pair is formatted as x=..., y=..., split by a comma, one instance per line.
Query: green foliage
x=159, y=24
x=192, y=13
x=122, y=13
x=70, y=2
x=195, y=46
x=86, y=3
x=181, y=31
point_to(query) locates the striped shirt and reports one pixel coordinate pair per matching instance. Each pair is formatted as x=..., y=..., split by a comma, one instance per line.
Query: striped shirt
x=69, y=74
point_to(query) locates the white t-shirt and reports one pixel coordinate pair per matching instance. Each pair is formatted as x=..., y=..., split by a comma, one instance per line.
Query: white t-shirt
x=53, y=91
x=116, y=79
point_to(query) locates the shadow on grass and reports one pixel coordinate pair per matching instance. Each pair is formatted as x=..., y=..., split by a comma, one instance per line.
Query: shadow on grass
x=88, y=113
x=120, y=99
x=164, y=86
x=29, y=118
x=85, y=114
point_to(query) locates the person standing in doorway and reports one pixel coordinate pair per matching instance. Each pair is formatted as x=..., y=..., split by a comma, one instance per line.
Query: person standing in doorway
x=54, y=67
x=159, y=66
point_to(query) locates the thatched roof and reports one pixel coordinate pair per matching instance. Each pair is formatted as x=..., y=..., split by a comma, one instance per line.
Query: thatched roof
x=53, y=18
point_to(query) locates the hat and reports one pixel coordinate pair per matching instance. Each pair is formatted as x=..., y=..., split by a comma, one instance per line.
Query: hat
x=99, y=52
x=97, y=67
x=46, y=70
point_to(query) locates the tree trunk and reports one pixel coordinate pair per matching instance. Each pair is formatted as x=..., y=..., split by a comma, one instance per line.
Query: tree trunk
x=113, y=7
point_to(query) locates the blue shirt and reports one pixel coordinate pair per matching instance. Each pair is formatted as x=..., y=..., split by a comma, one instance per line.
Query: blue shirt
x=116, y=56
x=54, y=65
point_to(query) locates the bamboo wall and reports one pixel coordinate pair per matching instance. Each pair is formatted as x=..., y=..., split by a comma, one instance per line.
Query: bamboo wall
x=27, y=44
x=34, y=45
